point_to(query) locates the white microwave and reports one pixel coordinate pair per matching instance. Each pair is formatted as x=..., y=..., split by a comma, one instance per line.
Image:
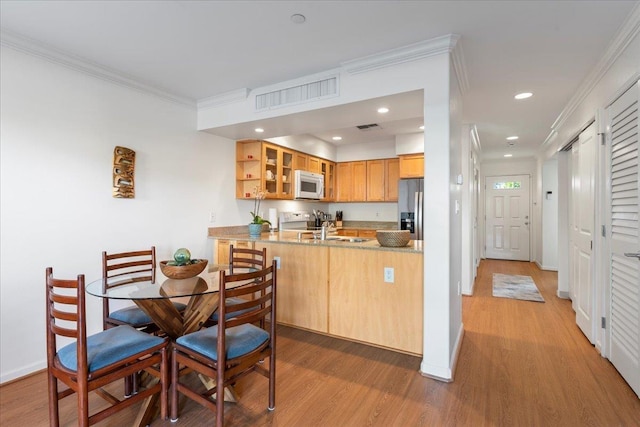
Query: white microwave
x=308, y=185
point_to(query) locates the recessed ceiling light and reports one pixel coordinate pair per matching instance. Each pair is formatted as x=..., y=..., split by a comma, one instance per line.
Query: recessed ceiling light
x=512, y=138
x=523, y=95
x=297, y=18
x=383, y=110
x=259, y=130
x=508, y=155
x=337, y=138
x=422, y=127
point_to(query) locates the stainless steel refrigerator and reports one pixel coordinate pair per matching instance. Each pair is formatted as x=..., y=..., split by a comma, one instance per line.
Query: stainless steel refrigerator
x=411, y=206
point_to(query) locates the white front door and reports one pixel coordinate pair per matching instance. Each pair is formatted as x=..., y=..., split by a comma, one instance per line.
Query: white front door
x=582, y=224
x=624, y=247
x=507, y=217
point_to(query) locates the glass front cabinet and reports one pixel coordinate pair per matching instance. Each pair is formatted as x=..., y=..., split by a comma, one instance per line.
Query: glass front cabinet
x=261, y=165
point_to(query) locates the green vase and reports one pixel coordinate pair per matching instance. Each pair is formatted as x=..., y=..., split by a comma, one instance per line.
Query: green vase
x=255, y=230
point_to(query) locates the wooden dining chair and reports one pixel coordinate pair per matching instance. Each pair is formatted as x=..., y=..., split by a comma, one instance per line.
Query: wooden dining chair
x=135, y=266
x=242, y=258
x=245, y=257
x=91, y=362
x=234, y=347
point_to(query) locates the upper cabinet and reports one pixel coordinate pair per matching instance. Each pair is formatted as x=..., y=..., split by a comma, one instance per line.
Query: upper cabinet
x=392, y=172
x=300, y=161
x=367, y=181
x=266, y=166
x=278, y=172
x=313, y=164
x=412, y=166
x=328, y=170
x=248, y=168
x=352, y=181
x=382, y=180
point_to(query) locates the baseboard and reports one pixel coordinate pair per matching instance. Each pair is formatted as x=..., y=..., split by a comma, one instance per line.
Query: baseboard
x=23, y=372
x=444, y=374
x=563, y=294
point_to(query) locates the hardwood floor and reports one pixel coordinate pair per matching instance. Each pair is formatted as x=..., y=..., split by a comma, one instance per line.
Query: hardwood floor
x=521, y=364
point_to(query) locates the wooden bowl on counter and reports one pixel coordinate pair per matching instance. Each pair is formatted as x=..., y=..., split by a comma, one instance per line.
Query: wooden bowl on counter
x=393, y=238
x=183, y=271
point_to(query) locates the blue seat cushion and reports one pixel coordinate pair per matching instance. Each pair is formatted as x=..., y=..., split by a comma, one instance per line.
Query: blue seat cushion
x=231, y=301
x=134, y=316
x=109, y=346
x=240, y=340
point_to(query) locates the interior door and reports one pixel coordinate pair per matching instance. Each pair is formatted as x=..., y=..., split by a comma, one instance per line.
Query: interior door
x=507, y=208
x=582, y=204
x=624, y=245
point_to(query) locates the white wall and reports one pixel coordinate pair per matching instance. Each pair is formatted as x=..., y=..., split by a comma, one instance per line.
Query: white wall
x=549, y=226
x=58, y=132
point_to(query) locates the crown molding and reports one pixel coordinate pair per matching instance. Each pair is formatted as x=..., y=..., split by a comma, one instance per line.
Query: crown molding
x=412, y=52
x=224, y=98
x=49, y=53
x=623, y=37
x=457, y=57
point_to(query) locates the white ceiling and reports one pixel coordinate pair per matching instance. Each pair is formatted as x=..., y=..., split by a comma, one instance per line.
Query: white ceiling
x=197, y=49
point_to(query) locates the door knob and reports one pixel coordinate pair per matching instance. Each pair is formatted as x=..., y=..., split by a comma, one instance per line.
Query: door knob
x=632, y=255
x=526, y=223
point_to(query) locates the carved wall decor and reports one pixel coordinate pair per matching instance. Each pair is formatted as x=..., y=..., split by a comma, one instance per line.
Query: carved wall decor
x=124, y=162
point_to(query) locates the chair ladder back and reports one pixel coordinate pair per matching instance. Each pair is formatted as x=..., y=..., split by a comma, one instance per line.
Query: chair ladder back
x=256, y=309
x=245, y=257
x=123, y=264
x=54, y=313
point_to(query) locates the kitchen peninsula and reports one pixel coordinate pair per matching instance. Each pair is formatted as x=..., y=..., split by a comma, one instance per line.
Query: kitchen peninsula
x=348, y=288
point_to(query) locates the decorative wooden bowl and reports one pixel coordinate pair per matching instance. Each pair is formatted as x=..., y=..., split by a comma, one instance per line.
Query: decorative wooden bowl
x=393, y=238
x=183, y=271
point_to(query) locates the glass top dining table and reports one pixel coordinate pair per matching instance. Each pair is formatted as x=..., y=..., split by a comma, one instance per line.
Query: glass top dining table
x=153, y=295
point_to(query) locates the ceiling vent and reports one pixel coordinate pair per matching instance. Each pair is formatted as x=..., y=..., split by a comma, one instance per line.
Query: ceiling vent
x=372, y=126
x=306, y=92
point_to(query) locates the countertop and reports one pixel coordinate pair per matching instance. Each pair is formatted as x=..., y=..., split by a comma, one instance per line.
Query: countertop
x=291, y=238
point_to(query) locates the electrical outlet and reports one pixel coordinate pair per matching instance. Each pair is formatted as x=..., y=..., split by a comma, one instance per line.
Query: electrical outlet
x=388, y=274
x=212, y=217
x=277, y=258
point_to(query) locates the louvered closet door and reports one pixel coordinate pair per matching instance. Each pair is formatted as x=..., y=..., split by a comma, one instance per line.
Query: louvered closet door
x=625, y=237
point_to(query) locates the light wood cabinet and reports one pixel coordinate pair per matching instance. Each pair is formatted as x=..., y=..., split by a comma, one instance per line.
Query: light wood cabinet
x=412, y=166
x=392, y=171
x=352, y=181
x=278, y=177
x=263, y=166
x=248, y=168
x=328, y=170
x=303, y=286
x=365, y=308
x=367, y=181
x=313, y=164
x=357, y=232
x=376, y=180
x=359, y=181
x=351, y=232
x=300, y=161
x=367, y=233
x=343, y=182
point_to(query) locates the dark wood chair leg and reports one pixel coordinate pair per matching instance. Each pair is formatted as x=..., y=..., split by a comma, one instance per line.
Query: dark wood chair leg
x=174, y=386
x=54, y=420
